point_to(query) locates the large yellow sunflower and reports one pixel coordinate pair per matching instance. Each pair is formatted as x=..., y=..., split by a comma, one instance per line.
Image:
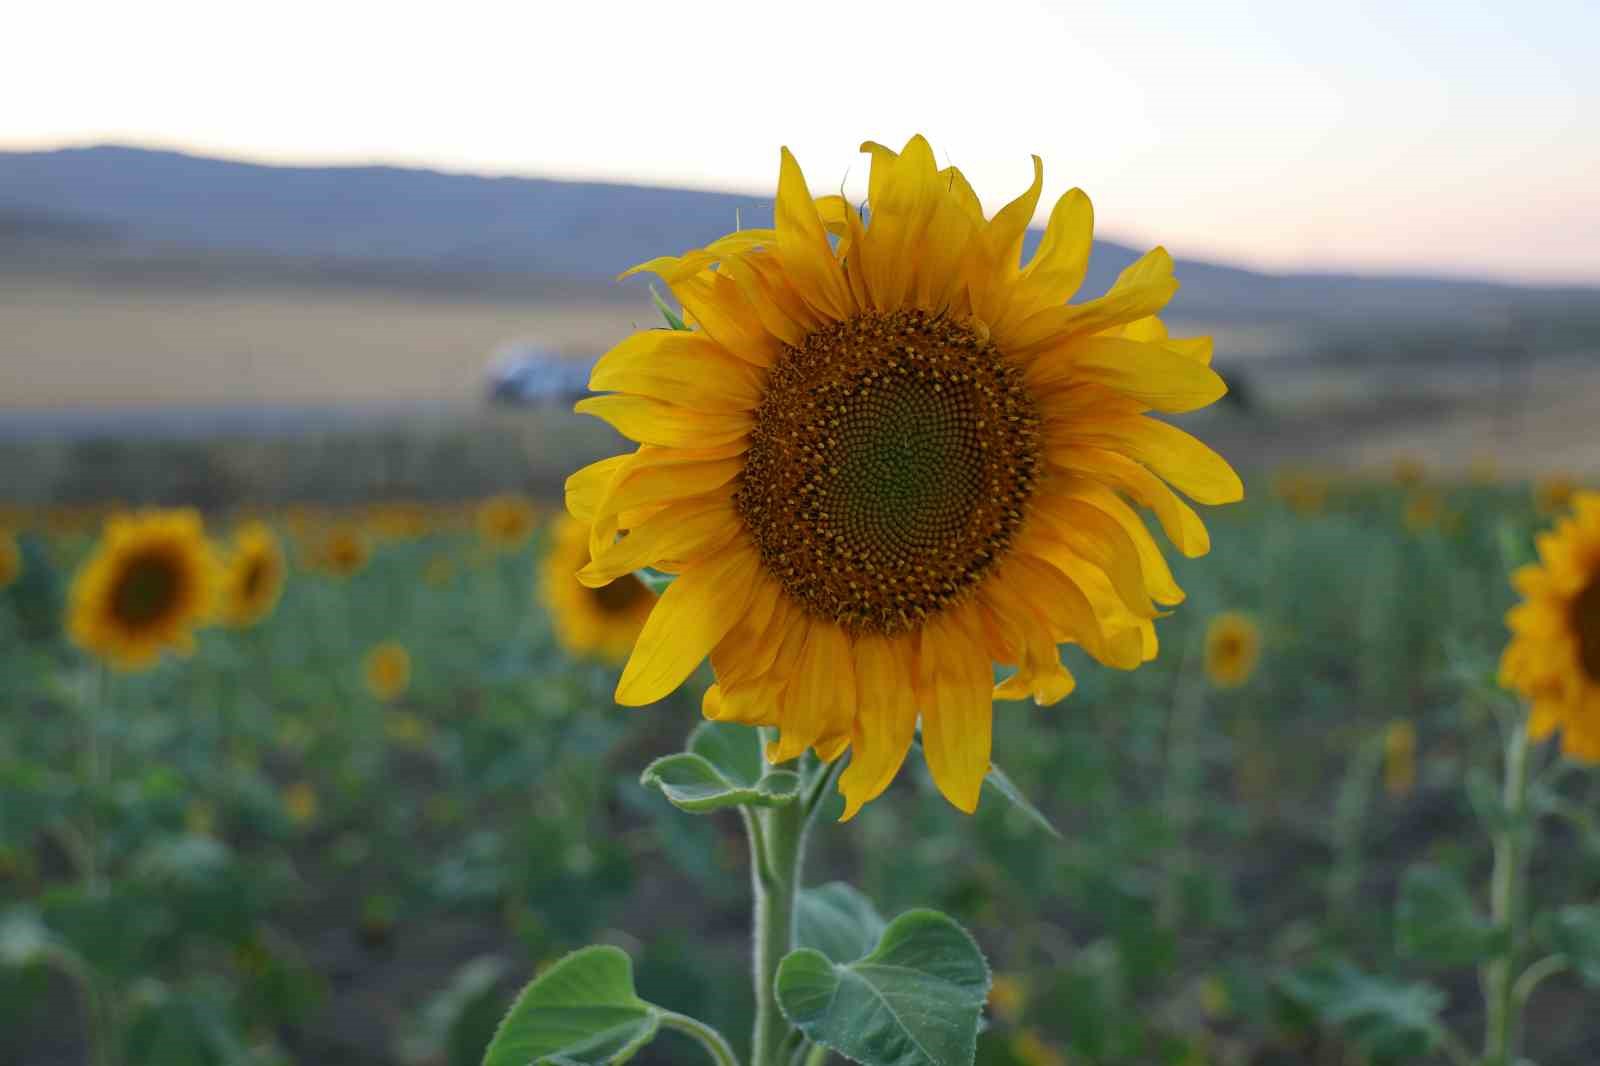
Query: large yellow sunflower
x=151, y=582
x=1553, y=658
x=253, y=580
x=603, y=622
x=887, y=456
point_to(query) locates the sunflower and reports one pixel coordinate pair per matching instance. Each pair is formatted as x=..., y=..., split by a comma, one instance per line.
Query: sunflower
x=10, y=559
x=1302, y=491
x=603, y=621
x=886, y=456
x=253, y=579
x=149, y=585
x=1552, y=494
x=1399, y=758
x=1233, y=647
x=506, y=522
x=1553, y=658
x=341, y=551
x=388, y=671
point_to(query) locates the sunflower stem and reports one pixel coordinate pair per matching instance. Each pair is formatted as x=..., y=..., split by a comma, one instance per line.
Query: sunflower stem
x=1505, y=901
x=777, y=846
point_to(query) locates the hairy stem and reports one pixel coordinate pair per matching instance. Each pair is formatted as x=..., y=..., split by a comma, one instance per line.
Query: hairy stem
x=777, y=845
x=709, y=1038
x=1505, y=902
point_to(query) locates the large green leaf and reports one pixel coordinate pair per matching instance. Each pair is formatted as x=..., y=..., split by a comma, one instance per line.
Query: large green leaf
x=723, y=768
x=582, y=1011
x=914, y=1000
x=1389, y=1020
x=1436, y=920
x=838, y=921
x=1575, y=932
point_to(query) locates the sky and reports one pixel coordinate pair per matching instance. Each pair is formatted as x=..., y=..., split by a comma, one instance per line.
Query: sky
x=1449, y=138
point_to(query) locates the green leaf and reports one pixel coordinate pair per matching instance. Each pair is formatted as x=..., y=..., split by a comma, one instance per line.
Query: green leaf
x=655, y=580
x=24, y=939
x=581, y=1012
x=1437, y=921
x=997, y=780
x=1388, y=1020
x=722, y=768
x=446, y=1030
x=915, y=999
x=1575, y=932
x=838, y=921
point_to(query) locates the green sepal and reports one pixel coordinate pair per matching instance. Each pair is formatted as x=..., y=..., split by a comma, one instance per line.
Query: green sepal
x=654, y=580
x=997, y=781
x=1436, y=920
x=914, y=1000
x=583, y=1011
x=723, y=768
x=674, y=320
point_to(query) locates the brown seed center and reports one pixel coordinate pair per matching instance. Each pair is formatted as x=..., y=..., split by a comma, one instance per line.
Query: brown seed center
x=890, y=463
x=146, y=590
x=1586, y=624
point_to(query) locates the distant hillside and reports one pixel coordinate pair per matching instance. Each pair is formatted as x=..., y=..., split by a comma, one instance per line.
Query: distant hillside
x=396, y=218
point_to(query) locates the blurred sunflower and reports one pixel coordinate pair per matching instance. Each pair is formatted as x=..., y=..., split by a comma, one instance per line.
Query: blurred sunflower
x=300, y=802
x=885, y=457
x=148, y=586
x=341, y=551
x=1233, y=647
x=603, y=622
x=1301, y=491
x=10, y=558
x=1409, y=471
x=1424, y=511
x=1553, y=658
x=1400, y=758
x=388, y=671
x=253, y=578
x=1554, y=493
x=506, y=522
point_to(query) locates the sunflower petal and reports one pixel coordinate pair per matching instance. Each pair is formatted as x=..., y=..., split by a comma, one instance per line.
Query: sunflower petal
x=957, y=722
x=695, y=612
x=680, y=367
x=885, y=721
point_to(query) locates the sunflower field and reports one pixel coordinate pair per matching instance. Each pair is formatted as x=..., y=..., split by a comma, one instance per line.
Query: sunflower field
x=872, y=563
x=383, y=782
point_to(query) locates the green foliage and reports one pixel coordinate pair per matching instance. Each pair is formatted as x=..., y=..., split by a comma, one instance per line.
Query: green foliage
x=1574, y=930
x=583, y=1011
x=914, y=1000
x=838, y=921
x=723, y=768
x=1390, y=1021
x=1436, y=920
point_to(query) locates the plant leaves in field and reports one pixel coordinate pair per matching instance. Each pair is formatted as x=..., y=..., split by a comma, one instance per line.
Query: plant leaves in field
x=838, y=921
x=915, y=1000
x=1575, y=932
x=451, y=1027
x=1437, y=921
x=583, y=1011
x=722, y=768
x=1389, y=1020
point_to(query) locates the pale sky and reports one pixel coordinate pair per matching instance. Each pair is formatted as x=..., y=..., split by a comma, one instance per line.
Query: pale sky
x=1458, y=137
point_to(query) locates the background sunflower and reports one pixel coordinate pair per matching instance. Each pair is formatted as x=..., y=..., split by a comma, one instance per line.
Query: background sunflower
x=599, y=622
x=253, y=576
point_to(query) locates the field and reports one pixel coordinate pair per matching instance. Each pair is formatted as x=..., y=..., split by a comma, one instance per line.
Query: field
x=250, y=855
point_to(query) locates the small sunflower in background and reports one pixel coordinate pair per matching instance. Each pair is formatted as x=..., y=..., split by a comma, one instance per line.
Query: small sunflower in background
x=1553, y=658
x=1400, y=758
x=602, y=622
x=1554, y=493
x=506, y=522
x=300, y=802
x=1424, y=511
x=1233, y=647
x=888, y=455
x=151, y=582
x=1303, y=492
x=1409, y=471
x=253, y=577
x=387, y=671
x=340, y=551
x=10, y=558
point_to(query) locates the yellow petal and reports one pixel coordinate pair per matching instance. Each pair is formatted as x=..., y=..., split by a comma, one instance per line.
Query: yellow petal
x=1158, y=580
x=885, y=721
x=680, y=367
x=808, y=259
x=1190, y=466
x=653, y=422
x=820, y=702
x=695, y=612
x=1099, y=539
x=1157, y=376
x=1058, y=265
x=1178, y=520
x=957, y=720
x=585, y=488
x=717, y=303
x=682, y=532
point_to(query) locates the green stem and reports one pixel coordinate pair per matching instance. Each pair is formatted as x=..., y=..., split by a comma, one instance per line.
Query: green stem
x=817, y=1055
x=1183, y=773
x=777, y=844
x=709, y=1038
x=1505, y=902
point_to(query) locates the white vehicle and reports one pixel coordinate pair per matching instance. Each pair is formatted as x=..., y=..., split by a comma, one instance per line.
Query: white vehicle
x=529, y=374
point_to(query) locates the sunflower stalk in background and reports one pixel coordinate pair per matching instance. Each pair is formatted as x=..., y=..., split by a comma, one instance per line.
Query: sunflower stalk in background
x=877, y=455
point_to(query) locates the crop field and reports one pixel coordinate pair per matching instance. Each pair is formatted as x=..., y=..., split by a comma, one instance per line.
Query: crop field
x=286, y=848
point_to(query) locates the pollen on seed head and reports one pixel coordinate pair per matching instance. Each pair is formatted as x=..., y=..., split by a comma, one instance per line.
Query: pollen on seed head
x=878, y=506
